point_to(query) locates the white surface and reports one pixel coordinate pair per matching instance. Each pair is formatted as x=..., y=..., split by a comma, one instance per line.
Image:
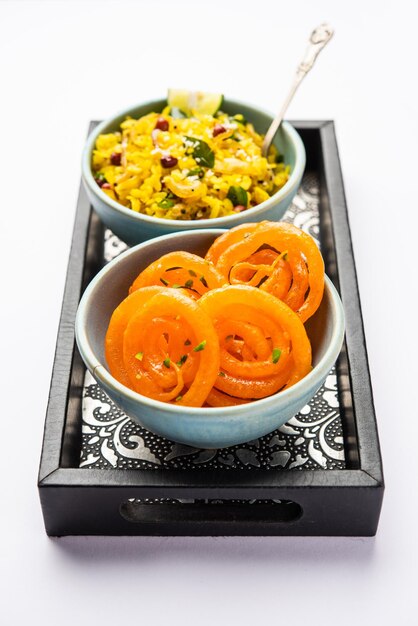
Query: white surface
x=66, y=63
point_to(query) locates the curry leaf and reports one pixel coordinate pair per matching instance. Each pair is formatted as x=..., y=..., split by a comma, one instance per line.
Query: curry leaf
x=237, y=195
x=202, y=153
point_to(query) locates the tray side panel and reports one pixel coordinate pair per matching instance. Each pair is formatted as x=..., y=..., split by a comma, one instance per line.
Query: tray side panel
x=61, y=374
x=352, y=511
x=362, y=395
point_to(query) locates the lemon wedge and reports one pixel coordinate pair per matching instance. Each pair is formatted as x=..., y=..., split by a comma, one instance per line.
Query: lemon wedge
x=197, y=101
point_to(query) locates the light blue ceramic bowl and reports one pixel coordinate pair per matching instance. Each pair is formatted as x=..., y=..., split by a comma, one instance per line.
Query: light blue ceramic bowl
x=134, y=227
x=199, y=427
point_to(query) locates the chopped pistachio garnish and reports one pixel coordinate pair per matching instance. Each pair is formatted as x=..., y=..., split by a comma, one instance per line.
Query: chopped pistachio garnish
x=188, y=284
x=182, y=360
x=276, y=355
x=200, y=346
x=203, y=281
x=166, y=362
x=192, y=273
x=222, y=374
x=177, y=286
x=179, y=398
x=139, y=356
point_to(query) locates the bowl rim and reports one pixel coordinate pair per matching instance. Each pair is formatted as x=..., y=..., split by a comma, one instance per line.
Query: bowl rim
x=287, y=188
x=103, y=376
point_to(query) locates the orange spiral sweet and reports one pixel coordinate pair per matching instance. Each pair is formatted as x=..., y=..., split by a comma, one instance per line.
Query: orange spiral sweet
x=161, y=344
x=181, y=270
x=276, y=257
x=263, y=343
x=224, y=330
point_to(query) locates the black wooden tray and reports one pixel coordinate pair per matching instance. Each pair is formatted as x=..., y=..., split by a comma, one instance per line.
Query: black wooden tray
x=171, y=500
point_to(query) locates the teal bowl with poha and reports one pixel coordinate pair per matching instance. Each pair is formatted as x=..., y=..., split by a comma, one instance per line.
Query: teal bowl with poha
x=135, y=227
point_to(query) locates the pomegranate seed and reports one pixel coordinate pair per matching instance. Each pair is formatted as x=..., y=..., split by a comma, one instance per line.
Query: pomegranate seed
x=239, y=207
x=115, y=158
x=218, y=130
x=162, y=124
x=106, y=186
x=169, y=161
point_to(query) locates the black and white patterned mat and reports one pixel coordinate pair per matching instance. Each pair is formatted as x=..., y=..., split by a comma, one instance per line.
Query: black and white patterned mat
x=313, y=439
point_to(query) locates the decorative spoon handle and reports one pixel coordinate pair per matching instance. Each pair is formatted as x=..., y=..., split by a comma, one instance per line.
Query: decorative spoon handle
x=317, y=41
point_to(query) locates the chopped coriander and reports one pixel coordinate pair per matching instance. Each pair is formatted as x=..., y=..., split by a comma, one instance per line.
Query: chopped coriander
x=139, y=356
x=179, y=398
x=192, y=273
x=200, y=346
x=177, y=286
x=166, y=362
x=275, y=356
x=203, y=281
x=164, y=282
x=182, y=360
x=167, y=203
x=188, y=284
x=187, y=342
x=196, y=171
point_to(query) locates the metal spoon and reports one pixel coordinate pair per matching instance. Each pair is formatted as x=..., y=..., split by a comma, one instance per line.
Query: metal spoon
x=317, y=41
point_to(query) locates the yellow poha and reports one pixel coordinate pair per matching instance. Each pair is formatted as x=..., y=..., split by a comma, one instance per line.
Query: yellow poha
x=187, y=168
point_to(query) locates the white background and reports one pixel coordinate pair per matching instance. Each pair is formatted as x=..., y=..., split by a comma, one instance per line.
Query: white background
x=64, y=63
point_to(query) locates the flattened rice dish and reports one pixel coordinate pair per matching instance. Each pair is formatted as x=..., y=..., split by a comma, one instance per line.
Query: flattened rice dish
x=187, y=165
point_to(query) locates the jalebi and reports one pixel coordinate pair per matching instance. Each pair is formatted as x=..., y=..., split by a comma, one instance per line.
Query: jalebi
x=224, y=330
x=276, y=257
x=180, y=270
x=161, y=344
